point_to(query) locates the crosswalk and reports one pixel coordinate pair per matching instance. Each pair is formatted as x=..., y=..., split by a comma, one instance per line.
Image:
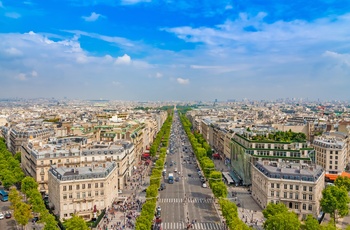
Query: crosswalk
x=181, y=200
x=199, y=226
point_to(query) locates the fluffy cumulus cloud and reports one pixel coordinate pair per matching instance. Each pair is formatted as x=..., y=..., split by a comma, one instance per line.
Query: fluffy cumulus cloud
x=37, y=65
x=93, y=17
x=182, y=81
x=123, y=60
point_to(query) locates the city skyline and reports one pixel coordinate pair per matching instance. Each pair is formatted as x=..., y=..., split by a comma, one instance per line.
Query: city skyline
x=175, y=50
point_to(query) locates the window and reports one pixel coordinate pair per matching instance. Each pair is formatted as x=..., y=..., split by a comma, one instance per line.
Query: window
x=296, y=187
x=64, y=196
x=336, y=157
x=70, y=187
x=304, y=206
x=272, y=185
x=96, y=185
x=67, y=160
x=272, y=193
x=93, y=159
x=70, y=195
x=101, y=185
x=296, y=196
x=310, y=197
x=42, y=162
x=304, y=188
x=89, y=185
x=310, y=207
x=83, y=194
x=89, y=193
x=78, y=195
x=336, y=162
x=278, y=185
x=310, y=189
x=77, y=187
x=64, y=188
x=278, y=194
x=296, y=206
x=291, y=195
x=83, y=186
x=291, y=187
x=96, y=193
x=285, y=186
x=101, y=193
x=304, y=196
x=285, y=195
x=42, y=178
x=331, y=162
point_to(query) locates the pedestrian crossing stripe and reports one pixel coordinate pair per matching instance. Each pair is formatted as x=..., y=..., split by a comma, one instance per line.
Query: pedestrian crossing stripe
x=198, y=226
x=181, y=200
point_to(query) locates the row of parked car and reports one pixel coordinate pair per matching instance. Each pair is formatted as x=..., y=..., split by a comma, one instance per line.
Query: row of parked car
x=5, y=215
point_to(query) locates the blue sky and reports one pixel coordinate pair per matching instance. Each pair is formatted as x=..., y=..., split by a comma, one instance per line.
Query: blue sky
x=175, y=50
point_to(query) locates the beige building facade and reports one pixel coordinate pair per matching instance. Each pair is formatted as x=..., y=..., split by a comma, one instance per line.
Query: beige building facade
x=298, y=186
x=82, y=190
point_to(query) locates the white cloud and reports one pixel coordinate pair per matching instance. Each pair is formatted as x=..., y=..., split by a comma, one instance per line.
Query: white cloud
x=34, y=73
x=124, y=60
x=342, y=58
x=183, y=81
x=13, y=15
x=93, y=17
x=13, y=51
x=21, y=77
x=116, y=83
x=132, y=2
x=159, y=75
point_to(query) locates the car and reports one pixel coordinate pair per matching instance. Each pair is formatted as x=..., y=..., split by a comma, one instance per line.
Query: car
x=177, y=179
x=204, y=185
x=8, y=215
x=144, y=190
x=120, y=191
x=175, y=170
x=1, y=216
x=202, y=179
x=189, y=175
x=162, y=187
x=158, y=211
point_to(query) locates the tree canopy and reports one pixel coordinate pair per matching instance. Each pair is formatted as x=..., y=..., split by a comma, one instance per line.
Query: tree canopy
x=75, y=223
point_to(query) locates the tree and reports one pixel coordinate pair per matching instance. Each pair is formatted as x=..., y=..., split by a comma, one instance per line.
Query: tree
x=282, y=221
x=22, y=213
x=273, y=209
x=14, y=197
x=76, y=223
x=335, y=201
x=17, y=156
x=28, y=184
x=343, y=181
x=311, y=223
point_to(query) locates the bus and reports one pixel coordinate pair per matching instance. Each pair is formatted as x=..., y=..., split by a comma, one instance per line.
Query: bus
x=171, y=178
x=4, y=195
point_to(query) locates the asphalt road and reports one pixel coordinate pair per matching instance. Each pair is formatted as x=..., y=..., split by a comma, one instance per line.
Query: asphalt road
x=186, y=200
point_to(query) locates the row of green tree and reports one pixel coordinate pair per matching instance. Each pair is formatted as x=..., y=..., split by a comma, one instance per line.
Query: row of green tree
x=203, y=153
x=145, y=220
x=162, y=139
x=11, y=174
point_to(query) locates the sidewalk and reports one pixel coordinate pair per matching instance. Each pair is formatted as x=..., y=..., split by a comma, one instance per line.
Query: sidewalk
x=249, y=212
x=122, y=214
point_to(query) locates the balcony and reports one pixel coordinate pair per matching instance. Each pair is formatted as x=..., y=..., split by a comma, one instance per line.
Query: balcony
x=83, y=199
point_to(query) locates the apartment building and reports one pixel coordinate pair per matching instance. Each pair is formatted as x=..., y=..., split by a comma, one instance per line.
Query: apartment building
x=249, y=146
x=82, y=190
x=72, y=152
x=21, y=134
x=332, y=153
x=298, y=186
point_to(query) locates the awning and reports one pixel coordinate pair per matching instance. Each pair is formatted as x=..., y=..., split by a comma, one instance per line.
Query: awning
x=145, y=155
x=331, y=176
x=345, y=174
